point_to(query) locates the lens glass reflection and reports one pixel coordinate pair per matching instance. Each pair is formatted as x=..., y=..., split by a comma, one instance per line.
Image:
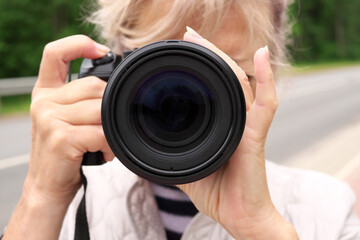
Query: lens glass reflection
x=172, y=108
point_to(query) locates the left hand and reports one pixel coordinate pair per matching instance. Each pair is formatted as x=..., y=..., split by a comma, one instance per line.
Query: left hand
x=237, y=195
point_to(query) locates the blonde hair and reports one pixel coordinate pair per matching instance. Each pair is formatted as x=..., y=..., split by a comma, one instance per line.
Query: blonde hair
x=118, y=22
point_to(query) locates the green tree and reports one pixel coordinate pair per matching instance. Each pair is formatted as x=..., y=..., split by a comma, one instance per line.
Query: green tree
x=27, y=25
x=326, y=30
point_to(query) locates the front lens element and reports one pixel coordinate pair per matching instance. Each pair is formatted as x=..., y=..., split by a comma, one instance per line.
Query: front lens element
x=172, y=108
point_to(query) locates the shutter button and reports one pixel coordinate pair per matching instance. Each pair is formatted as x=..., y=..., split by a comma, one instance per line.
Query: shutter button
x=108, y=58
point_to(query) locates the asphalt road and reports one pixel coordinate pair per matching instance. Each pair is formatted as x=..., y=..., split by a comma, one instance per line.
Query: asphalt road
x=312, y=107
x=15, y=137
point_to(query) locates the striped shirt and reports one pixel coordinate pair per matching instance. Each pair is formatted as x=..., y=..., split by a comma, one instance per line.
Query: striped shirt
x=175, y=208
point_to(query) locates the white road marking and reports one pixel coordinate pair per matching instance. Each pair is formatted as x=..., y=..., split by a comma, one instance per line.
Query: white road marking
x=14, y=161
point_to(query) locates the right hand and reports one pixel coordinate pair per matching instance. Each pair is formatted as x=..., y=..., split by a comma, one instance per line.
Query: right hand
x=66, y=121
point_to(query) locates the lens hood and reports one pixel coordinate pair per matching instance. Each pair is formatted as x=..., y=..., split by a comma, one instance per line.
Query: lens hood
x=173, y=112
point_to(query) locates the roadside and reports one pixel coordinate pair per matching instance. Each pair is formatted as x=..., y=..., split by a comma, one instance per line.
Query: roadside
x=337, y=155
x=20, y=104
x=15, y=135
x=325, y=135
x=14, y=105
x=331, y=154
x=299, y=69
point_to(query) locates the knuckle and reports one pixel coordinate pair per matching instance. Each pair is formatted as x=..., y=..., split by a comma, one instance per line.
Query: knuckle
x=36, y=107
x=58, y=139
x=34, y=91
x=101, y=136
x=75, y=155
x=95, y=83
x=45, y=123
x=83, y=38
x=50, y=50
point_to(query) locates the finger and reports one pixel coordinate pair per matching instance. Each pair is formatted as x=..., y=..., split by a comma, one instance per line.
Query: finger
x=194, y=37
x=87, y=112
x=265, y=86
x=57, y=54
x=266, y=101
x=108, y=156
x=79, y=90
x=91, y=138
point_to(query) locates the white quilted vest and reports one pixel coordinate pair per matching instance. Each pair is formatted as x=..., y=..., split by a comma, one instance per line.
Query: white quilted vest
x=121, y=205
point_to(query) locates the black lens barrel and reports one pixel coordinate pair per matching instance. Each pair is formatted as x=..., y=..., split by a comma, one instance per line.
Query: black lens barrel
x=173, y=112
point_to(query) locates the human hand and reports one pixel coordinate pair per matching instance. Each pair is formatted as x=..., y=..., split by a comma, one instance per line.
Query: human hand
x=65, y=123
x=66, y=120
x=237, y=195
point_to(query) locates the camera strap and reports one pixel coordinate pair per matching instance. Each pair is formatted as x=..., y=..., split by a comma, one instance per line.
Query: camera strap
x=81, y=224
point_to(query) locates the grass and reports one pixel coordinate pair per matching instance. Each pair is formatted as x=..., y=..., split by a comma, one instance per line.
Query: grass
x=304, y=68
x=11, y=105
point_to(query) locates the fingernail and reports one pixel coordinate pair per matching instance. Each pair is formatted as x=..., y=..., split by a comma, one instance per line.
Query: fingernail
x=267, y=52
x=102, y=48
x=193, y=33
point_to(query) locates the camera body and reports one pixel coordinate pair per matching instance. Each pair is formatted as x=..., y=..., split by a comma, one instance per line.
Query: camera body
x=173, y=111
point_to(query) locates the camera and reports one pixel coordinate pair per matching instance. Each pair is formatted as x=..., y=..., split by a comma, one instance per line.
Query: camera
x=173, y=111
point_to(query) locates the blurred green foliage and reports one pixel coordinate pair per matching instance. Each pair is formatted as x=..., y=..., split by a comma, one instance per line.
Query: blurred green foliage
x=15, y=104
x=324, y=30
x=27, y=25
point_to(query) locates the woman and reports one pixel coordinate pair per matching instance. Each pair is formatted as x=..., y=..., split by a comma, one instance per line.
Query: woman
x=234, y=202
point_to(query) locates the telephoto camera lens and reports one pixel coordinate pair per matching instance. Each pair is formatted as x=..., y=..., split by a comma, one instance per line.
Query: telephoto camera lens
x=173, y=112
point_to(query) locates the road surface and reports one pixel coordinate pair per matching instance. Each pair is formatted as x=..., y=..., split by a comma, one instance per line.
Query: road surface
x=312, y=107
x=318, y=118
